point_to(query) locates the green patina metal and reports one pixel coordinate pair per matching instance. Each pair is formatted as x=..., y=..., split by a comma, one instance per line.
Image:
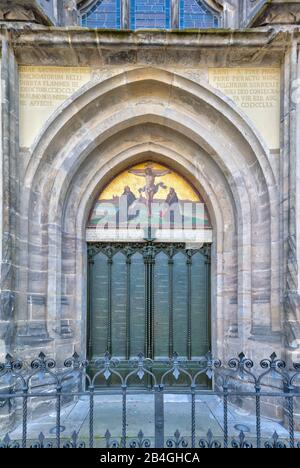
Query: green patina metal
x=151, y=298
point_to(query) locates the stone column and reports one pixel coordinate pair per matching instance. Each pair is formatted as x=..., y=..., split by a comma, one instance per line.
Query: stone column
x=125, y=14
x=289, y=180
x=292, y=296
x=231, y=13
x=9, y=184
x=15, y=305
x=175, y=12
x=296, y=99
x=291, y=185
x=68, y=13
x=261, y=327
x=32, y=322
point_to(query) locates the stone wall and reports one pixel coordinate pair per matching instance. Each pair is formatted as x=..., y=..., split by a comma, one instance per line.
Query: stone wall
x=147, y=97
x=31, y=11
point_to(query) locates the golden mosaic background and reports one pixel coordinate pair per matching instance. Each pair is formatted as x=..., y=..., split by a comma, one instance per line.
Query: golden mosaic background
x=183, y=189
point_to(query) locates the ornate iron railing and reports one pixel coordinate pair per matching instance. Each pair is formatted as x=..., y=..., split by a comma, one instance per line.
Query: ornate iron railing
x=239, y=377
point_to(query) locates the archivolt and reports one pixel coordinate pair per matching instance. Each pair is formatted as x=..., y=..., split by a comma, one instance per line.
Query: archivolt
x=93, y=92
x=105, y=113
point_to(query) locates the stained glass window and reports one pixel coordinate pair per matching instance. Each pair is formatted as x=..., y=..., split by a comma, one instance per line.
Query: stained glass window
x=195, y=14
x=149, y=14
x=103, y=14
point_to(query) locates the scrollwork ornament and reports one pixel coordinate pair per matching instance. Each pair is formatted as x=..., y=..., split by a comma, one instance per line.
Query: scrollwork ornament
x=296, y=366
x=177, y=364
x=209, y=442
x=241, y=363
x=41, y=443
x=140, y=442
x=209, y=364
x=273, y=363
x=8, y=443
x=275, y=443
x=141, y=364
x=107, y=363
x=43, y=364
x=110, y=443
x=177, y=442
x=74, y=442
x=75, y=362
x=241, y=443
x=11, y=365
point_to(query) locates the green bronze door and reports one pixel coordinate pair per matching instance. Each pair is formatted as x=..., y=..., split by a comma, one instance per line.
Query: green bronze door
x=148, y=298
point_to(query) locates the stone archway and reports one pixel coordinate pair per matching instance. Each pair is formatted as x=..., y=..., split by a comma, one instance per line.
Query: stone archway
x=126, y=118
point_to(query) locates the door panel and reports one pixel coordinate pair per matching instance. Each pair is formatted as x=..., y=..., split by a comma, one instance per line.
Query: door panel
x=161, y=306
x=118, y=305
x=137, y=305
x=180, y=310
x=199, y=306
x=99, y=306
x=148, y=298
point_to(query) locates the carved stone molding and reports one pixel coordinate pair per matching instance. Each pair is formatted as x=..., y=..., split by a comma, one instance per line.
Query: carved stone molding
x=280, y=14
x=17, y=13
x=68, y=13
x=261, y=13
x=32, y=334
x=216, y=5
x=29, y=11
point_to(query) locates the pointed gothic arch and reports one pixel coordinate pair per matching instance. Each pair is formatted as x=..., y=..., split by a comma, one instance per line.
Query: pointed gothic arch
x=151, y=113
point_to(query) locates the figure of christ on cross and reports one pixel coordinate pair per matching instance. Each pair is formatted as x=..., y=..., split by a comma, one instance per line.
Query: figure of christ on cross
x=151, y=188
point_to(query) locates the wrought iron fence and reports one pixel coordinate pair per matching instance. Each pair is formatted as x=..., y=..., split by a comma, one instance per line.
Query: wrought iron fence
x=239, y=377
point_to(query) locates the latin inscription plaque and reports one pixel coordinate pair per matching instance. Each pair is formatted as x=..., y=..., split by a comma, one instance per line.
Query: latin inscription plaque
x=257, y=92
x=42, y=91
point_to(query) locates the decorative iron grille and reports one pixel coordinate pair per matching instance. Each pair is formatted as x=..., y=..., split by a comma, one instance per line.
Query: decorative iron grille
x=43, y=379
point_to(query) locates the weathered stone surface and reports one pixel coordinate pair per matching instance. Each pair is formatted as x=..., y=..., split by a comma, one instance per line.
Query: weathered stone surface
x=279, y=14
x=29, y=11
x=149, y=95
